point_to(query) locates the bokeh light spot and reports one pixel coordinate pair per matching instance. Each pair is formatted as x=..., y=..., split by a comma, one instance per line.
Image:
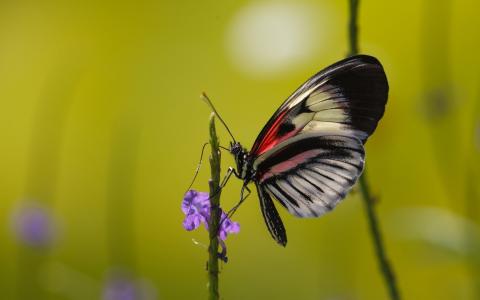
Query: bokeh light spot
x=270, y=37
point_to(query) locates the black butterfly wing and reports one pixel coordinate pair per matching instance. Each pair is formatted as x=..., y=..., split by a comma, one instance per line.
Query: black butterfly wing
x=348, y=96
x=311, y=153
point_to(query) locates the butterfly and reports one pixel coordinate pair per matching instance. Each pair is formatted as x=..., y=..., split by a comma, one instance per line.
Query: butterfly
x=311, y=151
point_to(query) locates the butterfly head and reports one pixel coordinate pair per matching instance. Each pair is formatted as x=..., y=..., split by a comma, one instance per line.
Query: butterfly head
x=241, y=159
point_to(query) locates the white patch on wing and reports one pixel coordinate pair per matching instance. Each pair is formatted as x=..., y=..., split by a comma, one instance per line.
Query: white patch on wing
x=302, y=119
x=332, y=115
x=338, y=128
x=327, y=94
x=318, y=106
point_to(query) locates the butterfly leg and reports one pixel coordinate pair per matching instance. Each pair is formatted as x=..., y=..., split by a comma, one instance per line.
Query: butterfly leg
x=230, y=171
x=225, y=179
x=242, y=198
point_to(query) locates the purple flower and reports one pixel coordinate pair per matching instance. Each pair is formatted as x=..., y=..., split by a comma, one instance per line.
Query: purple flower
x=120, y=289
x=196, y=207
x=33, y=225
x=122, y=286
x=227, y=226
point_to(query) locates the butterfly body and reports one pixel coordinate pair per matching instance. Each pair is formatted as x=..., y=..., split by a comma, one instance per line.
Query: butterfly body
x=311, y=151
x=243, y=161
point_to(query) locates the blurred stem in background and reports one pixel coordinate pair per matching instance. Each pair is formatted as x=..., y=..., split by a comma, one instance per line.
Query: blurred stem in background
x=369, y=202
x=353, y=28
x=120, y=200
x=437, y=96
x=215, y=212
x=443, y=112
x=34, y=222
x=472, y=194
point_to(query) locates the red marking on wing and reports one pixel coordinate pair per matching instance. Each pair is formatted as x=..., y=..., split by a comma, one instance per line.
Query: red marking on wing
x=271, y=137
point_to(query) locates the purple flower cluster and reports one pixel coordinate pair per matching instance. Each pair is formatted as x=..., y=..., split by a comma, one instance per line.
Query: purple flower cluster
x=33, y=224
x=196, y=207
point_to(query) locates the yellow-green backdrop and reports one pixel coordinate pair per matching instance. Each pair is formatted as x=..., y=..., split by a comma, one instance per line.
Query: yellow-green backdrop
x=101, y=127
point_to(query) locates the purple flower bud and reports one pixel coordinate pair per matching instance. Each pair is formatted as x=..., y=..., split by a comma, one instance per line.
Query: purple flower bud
x=32, y=224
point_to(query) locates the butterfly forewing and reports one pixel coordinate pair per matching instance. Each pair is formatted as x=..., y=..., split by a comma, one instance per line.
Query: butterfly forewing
x=348, y=97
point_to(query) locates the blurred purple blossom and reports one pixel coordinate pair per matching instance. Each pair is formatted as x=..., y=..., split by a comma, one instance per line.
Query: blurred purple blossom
x=32, y=224
x=121, y=286
x=196, y=207
x=120, y=289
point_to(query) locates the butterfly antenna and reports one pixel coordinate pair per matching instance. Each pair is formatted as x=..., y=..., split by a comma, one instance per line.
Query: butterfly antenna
x=198, y=167
x=207, y=100
x=224, y=148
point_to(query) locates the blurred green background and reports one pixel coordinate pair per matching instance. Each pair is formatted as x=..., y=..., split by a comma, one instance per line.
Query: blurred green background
x=101, y=127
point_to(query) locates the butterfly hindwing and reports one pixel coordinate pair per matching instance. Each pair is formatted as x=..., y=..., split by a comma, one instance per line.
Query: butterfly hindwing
x=348, y=97
x=310, y=173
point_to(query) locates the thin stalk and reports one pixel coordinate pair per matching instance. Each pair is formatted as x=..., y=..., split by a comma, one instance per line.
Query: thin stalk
x=353, y=27
x=383, y=262
x=215, y=213
x=385, y=267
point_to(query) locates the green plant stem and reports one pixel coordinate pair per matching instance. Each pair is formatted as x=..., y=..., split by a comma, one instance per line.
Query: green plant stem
x=215, y=214
x=353, y=27
x=385, y=267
